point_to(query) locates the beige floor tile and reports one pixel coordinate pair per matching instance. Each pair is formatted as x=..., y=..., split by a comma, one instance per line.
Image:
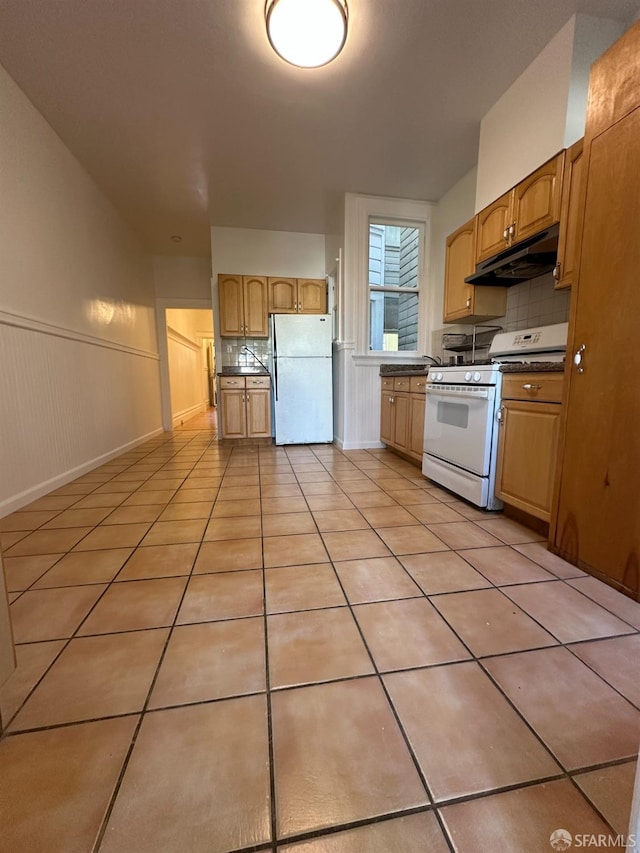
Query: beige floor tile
x=406, y=634
x=388, y=516
x=43, y=542
x=492, y=746
x=113, y=536
x=176, y=532
x=232, y=509
x=52, y=614
x=376, y=579
x=95, y=677
x=413, y=497
x=434, y=513
x=415, y=833
x=373, y=498
x=191, y=494
x=355, y=545
x=580, y=718
x=302, y=588
x=56, y=784
x=537, y=551
x=339, y=519
x=326, y=728
x=233, y=528
x=134, y=605
x=134, y=514
x=222, y=596
x=611, y=792
x=316, y=645
x=320, y=503
x=442, y=571
x=150, y=496
x=287, y=523
x=52, y=502
x=616, y=602
x=8, y=540
x=566, y=613
x=108, y=499
x=521, y=820
x=276, y=505
x=286, y=490
x=504, y=565
x=214, y=660
x=21, y=572
x=414, y=539
x=279, y=478
x=212, y=754
x=489, y=622
x=85, y=567
x=509, y=531
x=294, y=550
x=158, y=561
x=33, y=660
x=241, y=481
x=77, y=518
x=463, y=534
x=324, y=488
x=238, y=493
x=229, y=555
x=617, y=660
x=29, y=521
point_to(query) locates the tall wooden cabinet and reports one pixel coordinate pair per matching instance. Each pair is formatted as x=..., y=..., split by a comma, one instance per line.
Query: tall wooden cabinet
x=598, y=510
x=243, y=306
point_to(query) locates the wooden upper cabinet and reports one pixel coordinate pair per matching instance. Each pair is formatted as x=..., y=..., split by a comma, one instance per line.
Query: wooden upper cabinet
x=283, y=295
x=464, y=303
x=537, y=199
x=243, y=306
x=297, y=296
x=256, y=307
x=565, y=270
x=312, y=296
x=231, y=305
x=491, y=224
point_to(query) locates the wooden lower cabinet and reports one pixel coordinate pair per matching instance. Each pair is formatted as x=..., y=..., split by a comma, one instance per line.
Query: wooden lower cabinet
x=245, y=407
x=402, y=406
x=528, y=443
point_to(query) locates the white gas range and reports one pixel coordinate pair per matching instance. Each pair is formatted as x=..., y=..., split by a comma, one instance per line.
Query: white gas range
x=462, y=401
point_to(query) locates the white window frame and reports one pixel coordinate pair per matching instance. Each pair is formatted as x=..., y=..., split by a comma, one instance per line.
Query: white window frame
x=360, y=211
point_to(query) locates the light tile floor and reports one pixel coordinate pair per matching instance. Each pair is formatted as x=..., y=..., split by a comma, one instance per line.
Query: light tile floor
x=297, y=649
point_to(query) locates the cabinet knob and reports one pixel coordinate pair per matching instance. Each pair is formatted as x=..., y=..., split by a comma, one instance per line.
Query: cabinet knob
x=577, y=358
x=528, y=386
x=512, y=230
x=505, y=235
x=468, y=302
x=556, y=271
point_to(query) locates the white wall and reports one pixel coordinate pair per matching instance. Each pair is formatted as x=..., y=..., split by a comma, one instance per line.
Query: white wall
x=185, y=330
x=182, y=277
x=79, y=380
x=247, y=251
x=544, y=110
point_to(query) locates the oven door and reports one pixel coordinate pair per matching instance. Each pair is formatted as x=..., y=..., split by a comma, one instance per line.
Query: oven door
x=459, y=422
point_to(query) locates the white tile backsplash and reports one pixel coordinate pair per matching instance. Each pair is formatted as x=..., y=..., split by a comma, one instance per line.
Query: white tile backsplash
x=233, y=356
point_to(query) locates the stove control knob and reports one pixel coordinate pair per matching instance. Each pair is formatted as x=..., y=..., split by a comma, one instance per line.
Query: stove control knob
x=467, y=376
x=477, y=377
x=439, y=377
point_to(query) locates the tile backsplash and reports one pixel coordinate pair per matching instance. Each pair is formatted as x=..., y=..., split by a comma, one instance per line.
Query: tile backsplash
x=231, y=354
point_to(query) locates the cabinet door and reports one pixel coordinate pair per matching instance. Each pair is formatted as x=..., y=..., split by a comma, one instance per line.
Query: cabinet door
x=402, y=420
x=283, y=295
x=416, y=425
x=232, y=414
x=256, y=309
x=527, y=453
x=312, y=296
x=230, y=305
x=258, y=414
x=564, y=272
x=459, y=263
x=537, y=200
x=386, y=417
x=491, y=224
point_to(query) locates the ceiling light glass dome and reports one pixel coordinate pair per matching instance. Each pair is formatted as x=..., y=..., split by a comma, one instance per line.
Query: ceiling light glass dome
x=307, y=33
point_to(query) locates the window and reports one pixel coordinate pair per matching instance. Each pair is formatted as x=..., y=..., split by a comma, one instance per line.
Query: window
x=394, y=286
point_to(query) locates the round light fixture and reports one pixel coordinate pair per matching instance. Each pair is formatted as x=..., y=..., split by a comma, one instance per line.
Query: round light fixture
x=307, y=33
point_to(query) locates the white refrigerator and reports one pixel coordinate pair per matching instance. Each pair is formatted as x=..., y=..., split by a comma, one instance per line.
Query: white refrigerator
x=302, y=378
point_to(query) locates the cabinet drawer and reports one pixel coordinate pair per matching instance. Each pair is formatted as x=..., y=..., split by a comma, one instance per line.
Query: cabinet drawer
x=233, y=382
x=402, y=383
x=387, y=383
x=418, y=384
x=257, y=382
x=544, y=387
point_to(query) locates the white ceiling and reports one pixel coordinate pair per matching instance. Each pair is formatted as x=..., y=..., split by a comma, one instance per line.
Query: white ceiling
x=185, y=117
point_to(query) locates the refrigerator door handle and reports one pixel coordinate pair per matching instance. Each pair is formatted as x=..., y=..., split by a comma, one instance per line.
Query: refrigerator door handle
x=275, y=378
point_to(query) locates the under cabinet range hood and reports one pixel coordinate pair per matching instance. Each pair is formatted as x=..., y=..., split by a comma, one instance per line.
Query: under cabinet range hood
x=529, y=259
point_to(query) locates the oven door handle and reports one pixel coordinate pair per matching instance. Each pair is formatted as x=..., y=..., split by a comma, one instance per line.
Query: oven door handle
x=476, y=394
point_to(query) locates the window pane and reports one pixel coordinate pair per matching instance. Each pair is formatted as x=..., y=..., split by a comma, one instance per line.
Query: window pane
x=393, y=321
x=393, y=255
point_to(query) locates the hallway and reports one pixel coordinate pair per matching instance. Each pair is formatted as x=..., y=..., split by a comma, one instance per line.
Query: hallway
x=232, y=648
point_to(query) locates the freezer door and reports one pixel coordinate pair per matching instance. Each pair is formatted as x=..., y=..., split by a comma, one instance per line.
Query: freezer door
x=303, y=400
x=300, y=336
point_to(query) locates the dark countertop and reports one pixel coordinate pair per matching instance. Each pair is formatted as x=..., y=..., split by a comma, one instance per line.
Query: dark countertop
x=404, y=369
x=243, y=371
x=535, y=367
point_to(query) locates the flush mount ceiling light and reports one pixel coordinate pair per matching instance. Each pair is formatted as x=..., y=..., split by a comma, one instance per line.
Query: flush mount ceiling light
x=307, y=33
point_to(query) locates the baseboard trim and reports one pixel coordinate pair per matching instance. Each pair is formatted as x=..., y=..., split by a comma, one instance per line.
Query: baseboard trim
x=34, y=492
x=186, y=414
